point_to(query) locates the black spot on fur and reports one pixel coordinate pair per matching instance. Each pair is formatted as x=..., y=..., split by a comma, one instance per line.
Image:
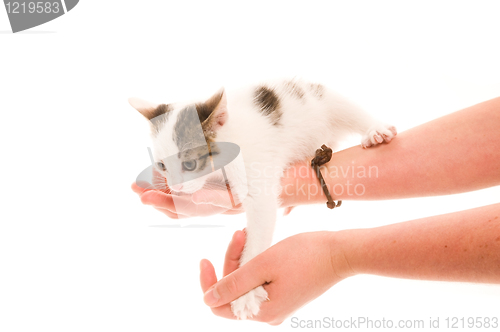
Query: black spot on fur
x=187, y=130
x=190, y=129
x=268, y=102
x=317, y=89
x=205, y=109
x=159, y=116
x=294, y=89
x=160, y=110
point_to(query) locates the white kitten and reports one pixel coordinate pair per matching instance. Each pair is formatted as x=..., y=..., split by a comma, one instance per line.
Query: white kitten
x=274, y=125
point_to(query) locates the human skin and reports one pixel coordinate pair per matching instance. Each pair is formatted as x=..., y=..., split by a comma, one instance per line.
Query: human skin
x=460, y=246
x=456, y=153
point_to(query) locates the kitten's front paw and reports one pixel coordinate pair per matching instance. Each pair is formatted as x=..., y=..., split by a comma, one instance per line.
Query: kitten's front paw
x=248, y=305
x=378, y=134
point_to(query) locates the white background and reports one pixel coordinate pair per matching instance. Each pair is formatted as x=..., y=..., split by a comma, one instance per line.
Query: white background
x=79, y=252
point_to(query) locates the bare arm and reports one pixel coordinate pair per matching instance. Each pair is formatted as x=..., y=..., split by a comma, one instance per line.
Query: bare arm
x=460, y=246
x=456, y=153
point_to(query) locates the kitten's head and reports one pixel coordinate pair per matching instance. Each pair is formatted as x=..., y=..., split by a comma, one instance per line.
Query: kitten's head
x=181, y=135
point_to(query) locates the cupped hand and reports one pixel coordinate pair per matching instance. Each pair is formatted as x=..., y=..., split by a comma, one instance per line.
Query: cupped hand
x=293, y=272
x=201, y=204
x=205, y=202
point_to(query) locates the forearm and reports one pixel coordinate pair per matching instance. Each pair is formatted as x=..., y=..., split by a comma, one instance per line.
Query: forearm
x=456, y=153
x=461, y=246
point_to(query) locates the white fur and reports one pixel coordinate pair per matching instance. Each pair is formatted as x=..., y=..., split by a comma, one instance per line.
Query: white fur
x=305, y=124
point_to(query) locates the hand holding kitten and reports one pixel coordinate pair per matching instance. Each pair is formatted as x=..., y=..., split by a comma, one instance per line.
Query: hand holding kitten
x=270, y=126
x=201, y=204
x=293, y=272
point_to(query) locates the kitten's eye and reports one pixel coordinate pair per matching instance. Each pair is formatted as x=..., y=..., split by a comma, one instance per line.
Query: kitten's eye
x=189, y=165
x=161, y=166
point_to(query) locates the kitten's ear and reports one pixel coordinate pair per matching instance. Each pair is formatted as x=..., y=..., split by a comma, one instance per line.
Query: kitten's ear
x=213, y=113
x=144, y=107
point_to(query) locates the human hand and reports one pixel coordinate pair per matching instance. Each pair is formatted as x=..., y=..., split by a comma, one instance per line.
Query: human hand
x=201, y=204
x=293, y=272
x=207, y=202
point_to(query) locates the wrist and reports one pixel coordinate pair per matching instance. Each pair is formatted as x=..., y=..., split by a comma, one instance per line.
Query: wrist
x=340, y=246
x=300, y=186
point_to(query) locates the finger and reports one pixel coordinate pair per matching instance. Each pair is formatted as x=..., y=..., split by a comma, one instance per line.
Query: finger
x=287, y=211
x=233, y=253
x=238, y=209
x=207, y=279
x=161, y=202
x=231, y=263
x=183, y=205
x=158, y=199
x=213, y=197
x=239, y=282
x=140, y=187
x=207, y=275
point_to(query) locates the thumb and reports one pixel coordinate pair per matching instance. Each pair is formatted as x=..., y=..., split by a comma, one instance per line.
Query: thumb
x=235, y=284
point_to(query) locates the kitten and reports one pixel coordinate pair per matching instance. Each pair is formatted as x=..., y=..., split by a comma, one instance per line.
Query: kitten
x=274, y=125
